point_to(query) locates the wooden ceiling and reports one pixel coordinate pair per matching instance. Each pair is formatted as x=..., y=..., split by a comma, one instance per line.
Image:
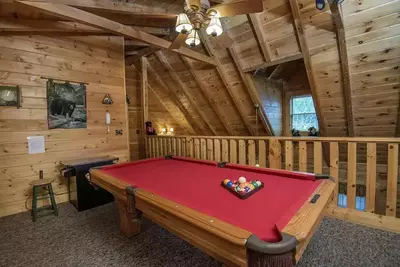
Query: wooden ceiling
x=351, y=60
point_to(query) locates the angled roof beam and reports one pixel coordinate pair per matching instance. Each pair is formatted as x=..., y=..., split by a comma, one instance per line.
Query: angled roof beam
x=249, y=85
x=277, y=71
x=118, y=7
x=222, y=74
x=273, y=63
x=164, y=105
x=260, y=36
x=160, y=55
x=188, y=63
x=344, y=64
x=144, y=52
x=71, y=13
x=307, y=62
x=175, y=99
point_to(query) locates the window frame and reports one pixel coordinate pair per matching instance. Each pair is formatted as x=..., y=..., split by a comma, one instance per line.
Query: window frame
x=291, y=111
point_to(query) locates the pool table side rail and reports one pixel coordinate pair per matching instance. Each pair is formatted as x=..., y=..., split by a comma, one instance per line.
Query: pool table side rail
x=223, y=241
x=113, y=185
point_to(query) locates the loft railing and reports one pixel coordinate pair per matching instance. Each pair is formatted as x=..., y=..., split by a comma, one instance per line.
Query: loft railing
x=361, y=167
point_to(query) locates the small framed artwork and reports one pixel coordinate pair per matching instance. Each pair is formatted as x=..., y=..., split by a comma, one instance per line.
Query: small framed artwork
x=10, y=96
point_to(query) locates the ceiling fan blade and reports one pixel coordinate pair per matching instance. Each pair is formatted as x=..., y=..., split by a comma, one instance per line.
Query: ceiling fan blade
x=238, y=8
x=178, y=41
x=193, y=3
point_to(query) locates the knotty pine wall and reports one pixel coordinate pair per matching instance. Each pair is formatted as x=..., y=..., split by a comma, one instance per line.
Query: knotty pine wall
x=98, y=61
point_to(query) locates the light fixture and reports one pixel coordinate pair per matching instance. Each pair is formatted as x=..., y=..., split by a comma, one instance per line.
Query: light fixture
x=183, y=24
x=214, y=28
x=165, y=131
x=193, y=38
x=171, y=130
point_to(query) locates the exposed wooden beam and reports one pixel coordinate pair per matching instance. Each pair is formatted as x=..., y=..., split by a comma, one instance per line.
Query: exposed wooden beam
x=344, y=65
x=307, y=62
x=397, y=133
x=176, y=101
x=159, y=31
x=144, y=52
x=164, y=61
x=260, y=36
x=118, y=7
x=249, y=85
x=224, y=78
x=87, y=18
x=9, y=26
x=204, y=91
x=190, y=131
x=144, y=91
x=273, y=63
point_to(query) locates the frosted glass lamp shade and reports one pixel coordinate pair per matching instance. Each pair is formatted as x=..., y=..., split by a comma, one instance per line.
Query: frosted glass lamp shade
x=215, y=27
x=193, y=38
x=183, y=24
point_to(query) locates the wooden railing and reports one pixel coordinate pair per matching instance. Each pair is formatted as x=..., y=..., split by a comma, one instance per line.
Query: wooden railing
x=352, y=161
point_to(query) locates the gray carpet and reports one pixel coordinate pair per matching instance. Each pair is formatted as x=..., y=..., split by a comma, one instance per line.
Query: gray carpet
x=92, y=238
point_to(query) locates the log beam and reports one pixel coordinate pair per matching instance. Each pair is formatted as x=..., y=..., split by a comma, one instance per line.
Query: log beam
x=260, y=36
x=71, y=13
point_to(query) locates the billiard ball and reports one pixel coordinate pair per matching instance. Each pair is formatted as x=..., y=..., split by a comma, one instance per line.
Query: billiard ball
x=258, y=183
x=229, y=184
x=255, y=184
x=242, y=180
x=226, y=181
x=247, y=189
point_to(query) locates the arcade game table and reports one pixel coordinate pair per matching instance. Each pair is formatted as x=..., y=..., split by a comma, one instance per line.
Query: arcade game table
x=185, y=196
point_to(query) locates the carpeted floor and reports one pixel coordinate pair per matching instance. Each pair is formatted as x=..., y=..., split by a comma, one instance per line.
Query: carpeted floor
x=92, y=238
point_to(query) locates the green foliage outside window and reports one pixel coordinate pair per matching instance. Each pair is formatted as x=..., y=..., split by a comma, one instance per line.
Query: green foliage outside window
x=303, y=114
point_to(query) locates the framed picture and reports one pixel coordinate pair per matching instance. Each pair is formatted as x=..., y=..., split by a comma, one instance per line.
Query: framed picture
x=10, y=96
x=66, y=105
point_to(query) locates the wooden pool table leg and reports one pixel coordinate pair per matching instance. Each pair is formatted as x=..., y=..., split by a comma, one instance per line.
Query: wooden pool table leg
x=130, y=223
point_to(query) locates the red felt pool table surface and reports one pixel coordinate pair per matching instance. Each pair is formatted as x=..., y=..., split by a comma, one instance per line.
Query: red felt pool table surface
x=196, y=184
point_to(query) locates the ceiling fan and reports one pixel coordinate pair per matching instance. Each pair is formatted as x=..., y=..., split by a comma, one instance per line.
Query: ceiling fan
x=199, y=14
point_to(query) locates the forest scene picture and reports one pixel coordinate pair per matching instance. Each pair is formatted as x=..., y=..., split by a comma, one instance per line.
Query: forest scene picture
x=66, y=105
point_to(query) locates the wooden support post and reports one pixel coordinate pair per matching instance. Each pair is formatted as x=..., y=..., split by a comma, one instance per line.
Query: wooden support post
x=351, y=175
x=145, y=99
x=392, y=179
x=371, y=178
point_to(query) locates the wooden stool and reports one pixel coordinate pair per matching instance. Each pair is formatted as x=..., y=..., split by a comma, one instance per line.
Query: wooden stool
x=46, y=184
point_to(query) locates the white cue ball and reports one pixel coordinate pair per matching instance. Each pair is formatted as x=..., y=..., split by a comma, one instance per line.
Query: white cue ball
x=242, y=180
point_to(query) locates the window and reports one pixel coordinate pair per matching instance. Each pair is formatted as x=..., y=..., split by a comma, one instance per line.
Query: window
x=302, y=113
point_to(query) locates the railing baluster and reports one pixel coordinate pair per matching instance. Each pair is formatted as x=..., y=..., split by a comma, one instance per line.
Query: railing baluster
x=371, y=177
x=210, y=149
x=184, y=150
x=232, y=151
x=351, y=174
x=197, y=148
x=303, y=156
x=242, y=152
x=334, y=168
x=173, y=144
x=317, y=157
x=189, y=147
x=289, y=155
x=262, y=153
x=179, y=147
x=392, y=178
x=252, y=152
x=217, y=150
x=225, y=150
x=153, y=148
x=203, y=149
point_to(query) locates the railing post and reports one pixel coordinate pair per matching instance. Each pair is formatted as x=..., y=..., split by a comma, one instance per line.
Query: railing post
x=275, y=154
x=392, y=178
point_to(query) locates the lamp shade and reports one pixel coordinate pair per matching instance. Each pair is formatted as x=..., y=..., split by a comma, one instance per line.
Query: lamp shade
x=183, y=24
x=215, y=27
x=193, y=38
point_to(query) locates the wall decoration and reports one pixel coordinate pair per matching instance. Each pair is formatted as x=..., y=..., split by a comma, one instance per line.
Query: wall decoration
x=66, y=105
x=10, y=96
x=36, y=144
x=107, y=100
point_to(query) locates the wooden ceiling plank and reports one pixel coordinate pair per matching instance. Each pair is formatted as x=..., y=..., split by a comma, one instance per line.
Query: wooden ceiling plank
x=160, y=55
x=118, y=7
x=344, y=64
x=164, y=105
x=249, y=85
x=307, y=62
x=204, y=91
x=90, y=19
x=222, y=75
x=260, y=36
x=177, y=102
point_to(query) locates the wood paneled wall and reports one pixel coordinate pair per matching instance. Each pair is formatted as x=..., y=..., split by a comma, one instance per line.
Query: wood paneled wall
x=98, y=61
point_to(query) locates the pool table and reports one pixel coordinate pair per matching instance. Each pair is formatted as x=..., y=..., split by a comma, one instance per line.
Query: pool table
x=185, y=196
